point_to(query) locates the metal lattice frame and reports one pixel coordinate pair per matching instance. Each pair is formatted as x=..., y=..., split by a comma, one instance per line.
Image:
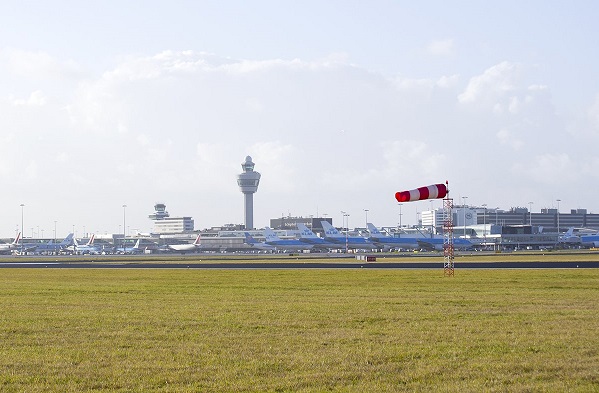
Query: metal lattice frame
x=448, y=248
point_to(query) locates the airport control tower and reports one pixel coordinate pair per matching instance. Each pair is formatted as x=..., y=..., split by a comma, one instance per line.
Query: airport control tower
x=248, y=184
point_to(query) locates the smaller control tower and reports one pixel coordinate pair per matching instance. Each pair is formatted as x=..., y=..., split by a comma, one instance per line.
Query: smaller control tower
x=160, y=212
x=248, y=182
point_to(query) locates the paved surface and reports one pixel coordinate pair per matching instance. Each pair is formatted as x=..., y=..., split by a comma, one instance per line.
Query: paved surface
x=295, y=265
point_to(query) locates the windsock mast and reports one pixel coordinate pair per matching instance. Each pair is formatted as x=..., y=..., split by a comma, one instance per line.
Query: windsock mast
x=437, y=191
x=448, y=255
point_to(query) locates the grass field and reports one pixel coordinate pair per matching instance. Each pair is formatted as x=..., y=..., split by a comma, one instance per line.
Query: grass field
x=127, y=330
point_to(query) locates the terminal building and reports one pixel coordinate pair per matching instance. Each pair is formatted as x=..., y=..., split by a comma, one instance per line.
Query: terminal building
x=547, y=219
x=164, y=224
x=515, y=228
x=290, y=223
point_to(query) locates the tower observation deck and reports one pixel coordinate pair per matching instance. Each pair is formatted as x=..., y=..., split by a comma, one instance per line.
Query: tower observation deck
x=160, y=212
x=248, y=182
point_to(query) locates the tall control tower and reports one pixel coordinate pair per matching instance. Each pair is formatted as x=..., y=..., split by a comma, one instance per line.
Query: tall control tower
x=248, y=184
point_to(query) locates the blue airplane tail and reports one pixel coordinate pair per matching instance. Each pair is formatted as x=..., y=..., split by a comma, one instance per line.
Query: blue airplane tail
x=249, y=239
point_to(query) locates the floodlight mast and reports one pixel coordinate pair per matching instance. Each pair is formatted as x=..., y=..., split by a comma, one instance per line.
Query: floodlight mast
x=448, y=247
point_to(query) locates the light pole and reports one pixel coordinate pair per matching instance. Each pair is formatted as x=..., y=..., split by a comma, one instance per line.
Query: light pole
x=399, y=204
x=346, y=232
x=432, y=219
x=54, y=231
x=22, y=228
x=464, y=207
x=485, y=224
x=558, y=201
x=124, y=227
x=530, y=213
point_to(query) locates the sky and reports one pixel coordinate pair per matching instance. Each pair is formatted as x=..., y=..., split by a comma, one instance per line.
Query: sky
x=339, y=103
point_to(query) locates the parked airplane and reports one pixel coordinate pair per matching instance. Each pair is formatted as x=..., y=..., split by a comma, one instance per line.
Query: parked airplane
x=436, y=243
x=307, y=236
x=53, y=248
x=87, y=248
x=334, y=236
x=392, y=242
x=569, y=237
x=590, y=240
x=284, y=244
x=9, y=247
x=431, y=243
x=130, y=250
x=249, y=239
x=183, y=248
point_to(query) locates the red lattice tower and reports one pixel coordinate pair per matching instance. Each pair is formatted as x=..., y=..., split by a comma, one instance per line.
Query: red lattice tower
x=448, y=248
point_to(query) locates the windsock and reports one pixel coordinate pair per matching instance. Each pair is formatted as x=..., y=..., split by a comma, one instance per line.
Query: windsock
x=430, y=192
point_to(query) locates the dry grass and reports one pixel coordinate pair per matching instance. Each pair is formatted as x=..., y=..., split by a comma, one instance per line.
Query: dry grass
x=298, y=330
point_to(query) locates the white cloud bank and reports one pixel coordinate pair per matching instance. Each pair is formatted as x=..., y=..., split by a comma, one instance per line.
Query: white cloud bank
x=326, y=136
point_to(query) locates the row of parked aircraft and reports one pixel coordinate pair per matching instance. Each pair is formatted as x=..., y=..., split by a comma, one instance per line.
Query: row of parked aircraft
x=333, y=239
x=69, y=245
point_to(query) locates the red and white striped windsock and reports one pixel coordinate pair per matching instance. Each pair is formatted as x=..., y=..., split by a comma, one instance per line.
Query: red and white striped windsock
x=430, y=192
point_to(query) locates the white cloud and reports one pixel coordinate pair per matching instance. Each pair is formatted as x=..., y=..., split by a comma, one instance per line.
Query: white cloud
x=448, y=81
x=553, y=169
x=408, y=84
x=31, y=171
x=593, y=114
x=39, y=65
x=36, y=98
x=494, y=84
x=143, y=140
x=176, y=127
x=507, y=137
x=444, y=47
x=278, y=160
x=62, y=157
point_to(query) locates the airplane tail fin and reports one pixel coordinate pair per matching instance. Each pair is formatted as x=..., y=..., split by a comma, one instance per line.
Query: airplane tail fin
x=136, y=246
x=305, y=232
x=67, y=241
x=17, y=239
x=566, y=235
x=330, y=230
x=91, y=240
x=270, y=235
x=198, y=240
x=249, y=239
x=374, y=232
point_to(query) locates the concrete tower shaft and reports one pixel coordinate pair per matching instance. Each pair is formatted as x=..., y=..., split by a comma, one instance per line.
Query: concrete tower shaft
x=248, y=182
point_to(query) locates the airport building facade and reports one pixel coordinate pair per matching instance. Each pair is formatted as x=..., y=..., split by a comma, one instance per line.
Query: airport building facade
x=164, y=224
x=290, y=223
x=549, y=219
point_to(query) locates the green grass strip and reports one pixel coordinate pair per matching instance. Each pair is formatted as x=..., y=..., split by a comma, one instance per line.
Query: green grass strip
x=127, y=330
